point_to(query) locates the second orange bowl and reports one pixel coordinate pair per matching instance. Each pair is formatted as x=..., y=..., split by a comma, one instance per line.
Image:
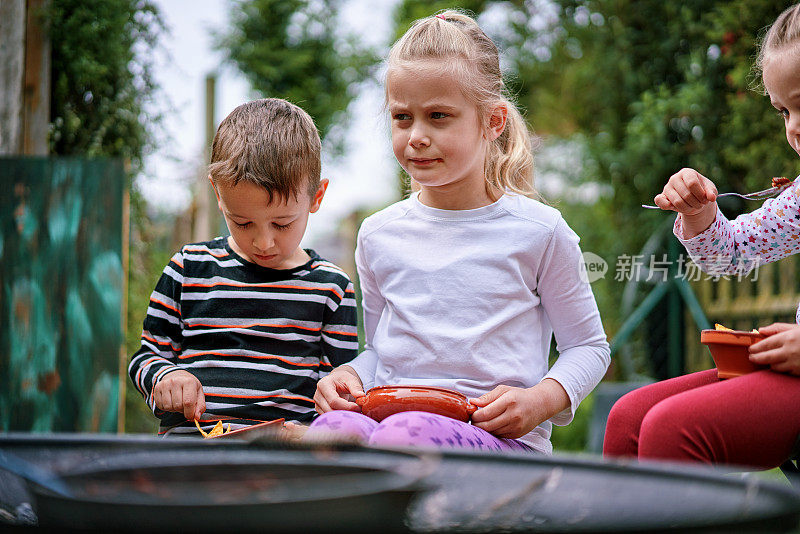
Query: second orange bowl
x=730, y=351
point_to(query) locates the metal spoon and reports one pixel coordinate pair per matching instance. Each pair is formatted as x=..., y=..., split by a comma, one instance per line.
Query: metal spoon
x=757, y=195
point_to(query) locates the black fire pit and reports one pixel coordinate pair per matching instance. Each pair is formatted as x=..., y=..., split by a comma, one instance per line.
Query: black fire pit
x=135, y=483
x=176, y=485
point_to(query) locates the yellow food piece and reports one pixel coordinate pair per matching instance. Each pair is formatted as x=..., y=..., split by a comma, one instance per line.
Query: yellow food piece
x=218, y=429
x=197, y=424
x=718, y=326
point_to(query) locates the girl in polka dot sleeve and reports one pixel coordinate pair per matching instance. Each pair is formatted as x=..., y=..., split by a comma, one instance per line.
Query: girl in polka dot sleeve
x=762, y=236
x=751, y=420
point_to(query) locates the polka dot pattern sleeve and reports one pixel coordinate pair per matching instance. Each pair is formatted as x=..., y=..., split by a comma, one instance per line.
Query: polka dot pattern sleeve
x=762, y=236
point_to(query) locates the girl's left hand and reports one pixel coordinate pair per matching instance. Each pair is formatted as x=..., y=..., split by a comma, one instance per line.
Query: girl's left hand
x=511, y=412
x=781, y=349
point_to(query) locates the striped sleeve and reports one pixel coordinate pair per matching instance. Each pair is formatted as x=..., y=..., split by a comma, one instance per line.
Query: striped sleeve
x=162, y=332
x=339, y=332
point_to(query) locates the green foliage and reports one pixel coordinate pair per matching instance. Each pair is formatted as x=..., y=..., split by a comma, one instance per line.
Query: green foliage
x=646, y=87
x=652, y=86
x=102, y=77
x=292, y=49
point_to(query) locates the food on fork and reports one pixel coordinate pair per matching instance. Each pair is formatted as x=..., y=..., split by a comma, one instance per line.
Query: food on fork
x=780, y=181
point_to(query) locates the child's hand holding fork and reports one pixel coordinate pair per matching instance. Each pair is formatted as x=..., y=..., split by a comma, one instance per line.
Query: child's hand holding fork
x=693, y=196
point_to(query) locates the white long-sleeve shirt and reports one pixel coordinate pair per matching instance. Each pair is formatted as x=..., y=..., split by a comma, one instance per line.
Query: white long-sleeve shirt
x=469, y=300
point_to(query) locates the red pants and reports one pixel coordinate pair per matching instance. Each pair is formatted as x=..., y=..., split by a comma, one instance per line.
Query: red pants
x=752, y=420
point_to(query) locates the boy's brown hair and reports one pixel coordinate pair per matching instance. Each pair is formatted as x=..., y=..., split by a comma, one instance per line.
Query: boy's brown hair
x=270, y=143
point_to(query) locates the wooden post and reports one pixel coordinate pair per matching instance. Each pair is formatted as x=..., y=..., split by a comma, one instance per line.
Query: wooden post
x=12, y=73
x=36, y=112
x=206, y=221
x=123, y=353
x=211, y=128
x=211, y=91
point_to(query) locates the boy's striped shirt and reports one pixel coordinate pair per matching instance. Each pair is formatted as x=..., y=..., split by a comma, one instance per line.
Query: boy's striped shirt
x=258, y=339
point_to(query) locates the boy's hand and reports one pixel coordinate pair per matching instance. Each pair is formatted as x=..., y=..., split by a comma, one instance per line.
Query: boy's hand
x=511, y=412
x=180, y=391
x=335, y=390
x=781, y=349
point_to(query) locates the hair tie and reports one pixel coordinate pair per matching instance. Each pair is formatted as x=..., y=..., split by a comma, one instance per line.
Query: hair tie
x=440, y=16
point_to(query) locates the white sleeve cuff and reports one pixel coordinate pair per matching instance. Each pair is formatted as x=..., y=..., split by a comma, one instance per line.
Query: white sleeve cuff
x=365, y=365
x=578, y=370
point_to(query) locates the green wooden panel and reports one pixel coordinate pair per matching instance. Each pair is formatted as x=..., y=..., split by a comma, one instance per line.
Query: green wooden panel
x=61, y=281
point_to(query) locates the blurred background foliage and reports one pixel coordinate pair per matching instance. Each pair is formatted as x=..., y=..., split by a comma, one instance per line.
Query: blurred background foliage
x=102, y=77
x=643, y=88
x=294, y=49
x=623, y=93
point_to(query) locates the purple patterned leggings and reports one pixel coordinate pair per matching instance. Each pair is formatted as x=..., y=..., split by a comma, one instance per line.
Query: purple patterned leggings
x=408, y=429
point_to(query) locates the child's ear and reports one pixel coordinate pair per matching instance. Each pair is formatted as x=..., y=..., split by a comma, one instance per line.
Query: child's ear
x=317, y=200
x=214, y=187
x=497, y=120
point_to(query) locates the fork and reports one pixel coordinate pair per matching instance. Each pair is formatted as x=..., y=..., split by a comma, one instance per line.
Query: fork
x=756, y=195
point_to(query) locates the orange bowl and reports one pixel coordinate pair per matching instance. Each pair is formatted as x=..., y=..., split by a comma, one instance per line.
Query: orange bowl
x=729, y=348
x=382, y=401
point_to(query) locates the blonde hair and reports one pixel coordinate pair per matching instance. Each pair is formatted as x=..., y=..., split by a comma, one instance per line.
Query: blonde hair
x=460, y=44
x=783, y=32
x=270, y=143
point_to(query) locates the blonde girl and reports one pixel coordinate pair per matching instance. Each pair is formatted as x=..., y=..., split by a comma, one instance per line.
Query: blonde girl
x=752, y=420
x=465, y=282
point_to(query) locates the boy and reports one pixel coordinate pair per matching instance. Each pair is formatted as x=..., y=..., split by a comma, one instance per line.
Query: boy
x=242, y=327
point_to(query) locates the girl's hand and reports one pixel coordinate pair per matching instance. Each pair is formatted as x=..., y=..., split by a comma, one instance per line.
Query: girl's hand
x=335, y=391
x=510, y=412
x=781, y=349
x=180, y=391
x=688, y=192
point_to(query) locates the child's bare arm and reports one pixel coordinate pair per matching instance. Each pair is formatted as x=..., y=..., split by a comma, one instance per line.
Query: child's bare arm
x=180, y=391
